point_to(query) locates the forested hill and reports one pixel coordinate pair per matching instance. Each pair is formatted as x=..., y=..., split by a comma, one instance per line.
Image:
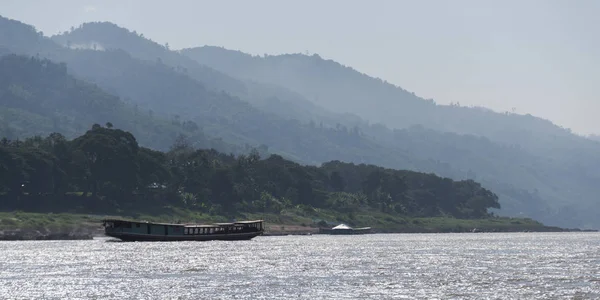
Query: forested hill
x=111, y=168
x=267, y=97
x=538, y=168
x=38, y=97
x=161, y=90
x=343, y=89
x=549, y=177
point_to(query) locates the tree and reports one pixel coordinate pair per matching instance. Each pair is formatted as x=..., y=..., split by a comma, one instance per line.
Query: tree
x=337, y=182
x=372, y=182
x=110, y=157
x=181, y=144
x=41, y=170
x=221, y=185
x=153, y=172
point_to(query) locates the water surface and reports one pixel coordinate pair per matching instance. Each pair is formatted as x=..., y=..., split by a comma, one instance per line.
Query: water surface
x=378, y=266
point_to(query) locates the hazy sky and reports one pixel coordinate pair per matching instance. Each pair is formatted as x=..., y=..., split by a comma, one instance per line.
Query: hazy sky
x=540, y=57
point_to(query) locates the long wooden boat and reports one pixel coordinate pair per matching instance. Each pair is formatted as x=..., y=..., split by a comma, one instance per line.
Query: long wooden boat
x=148, y=231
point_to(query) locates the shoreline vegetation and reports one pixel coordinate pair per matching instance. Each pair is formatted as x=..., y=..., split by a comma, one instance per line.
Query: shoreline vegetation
x=73, y=226
x=54, y=188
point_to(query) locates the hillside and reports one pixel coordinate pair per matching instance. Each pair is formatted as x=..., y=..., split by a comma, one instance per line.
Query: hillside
x=267, y=97
x=39, y=97
x=110, y=167
x=170, y=94
x=541, y=153
x=60, y=188
x=342, y=89
x=162, y=90
x=550, y=186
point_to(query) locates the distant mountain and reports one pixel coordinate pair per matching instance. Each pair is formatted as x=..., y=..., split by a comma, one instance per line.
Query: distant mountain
x=327, y=83
x=552, y=151
x=342, y=89
x=165, y=91
x=542, y=171
x=109, y=36
x=267, y=97
x=38, y=97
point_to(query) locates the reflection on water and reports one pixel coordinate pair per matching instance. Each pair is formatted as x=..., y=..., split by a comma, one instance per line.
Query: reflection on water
x=379, y=266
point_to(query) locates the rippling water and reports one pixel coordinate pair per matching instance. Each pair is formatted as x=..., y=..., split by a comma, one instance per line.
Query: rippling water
x=379, y=266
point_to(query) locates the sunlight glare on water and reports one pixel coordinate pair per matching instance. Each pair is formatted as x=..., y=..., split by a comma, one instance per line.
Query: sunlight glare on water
x=378, y=266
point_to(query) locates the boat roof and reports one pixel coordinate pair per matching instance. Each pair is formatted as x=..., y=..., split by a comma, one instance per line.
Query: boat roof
x=248, y=222
x=342, y=226
x=182, y=224
x=131, y=221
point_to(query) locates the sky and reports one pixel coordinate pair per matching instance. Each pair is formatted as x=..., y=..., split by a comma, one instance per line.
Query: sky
x=534, y=56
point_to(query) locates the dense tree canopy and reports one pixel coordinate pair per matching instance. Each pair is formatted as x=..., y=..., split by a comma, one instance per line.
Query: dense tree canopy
x=108, y=164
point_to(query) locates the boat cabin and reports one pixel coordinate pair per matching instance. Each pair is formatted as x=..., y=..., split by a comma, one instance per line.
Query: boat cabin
x=224, y=228
x=116, y=227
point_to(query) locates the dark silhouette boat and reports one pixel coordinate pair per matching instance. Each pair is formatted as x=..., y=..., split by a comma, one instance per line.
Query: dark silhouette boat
x=148, y=231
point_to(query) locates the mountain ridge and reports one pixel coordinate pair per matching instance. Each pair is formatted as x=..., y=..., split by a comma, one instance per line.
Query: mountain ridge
x=530, y=184
x=111, y=36
x=43, y=91
x=242, y=64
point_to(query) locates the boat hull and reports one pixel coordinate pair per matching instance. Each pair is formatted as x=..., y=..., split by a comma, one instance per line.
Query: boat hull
x=134, y=237
x=337, y=232
x=344, y=231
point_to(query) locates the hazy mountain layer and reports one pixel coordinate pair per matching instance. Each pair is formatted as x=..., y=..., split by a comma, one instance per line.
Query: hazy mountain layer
x=38, y=97
x=343, y=89
x=163, y=90
x=548, y=176
x=546, y=152
x=267, y=97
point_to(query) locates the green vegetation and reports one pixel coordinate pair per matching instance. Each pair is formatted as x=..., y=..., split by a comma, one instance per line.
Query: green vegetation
x=289, y=221
x=39, y=97
x=299, y=220
x=61, y=222
x=537, y=168
x=233, y=102
x=112, y=174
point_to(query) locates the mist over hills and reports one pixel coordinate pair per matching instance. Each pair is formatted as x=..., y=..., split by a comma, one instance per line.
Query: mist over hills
x=594, y=137
x=538, y=146
x=38, y=96
x=342, y=89
x=267, y=97
x=314, y=110
x=168, y=92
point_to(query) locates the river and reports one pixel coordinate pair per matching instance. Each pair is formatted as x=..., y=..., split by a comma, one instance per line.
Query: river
x=377, y=266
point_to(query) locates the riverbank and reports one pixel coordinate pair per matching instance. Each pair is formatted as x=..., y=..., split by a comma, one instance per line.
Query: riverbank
x=36, y=235
x=16, y=226
x=72, y=226
x=303, y=222
x=438, y=225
